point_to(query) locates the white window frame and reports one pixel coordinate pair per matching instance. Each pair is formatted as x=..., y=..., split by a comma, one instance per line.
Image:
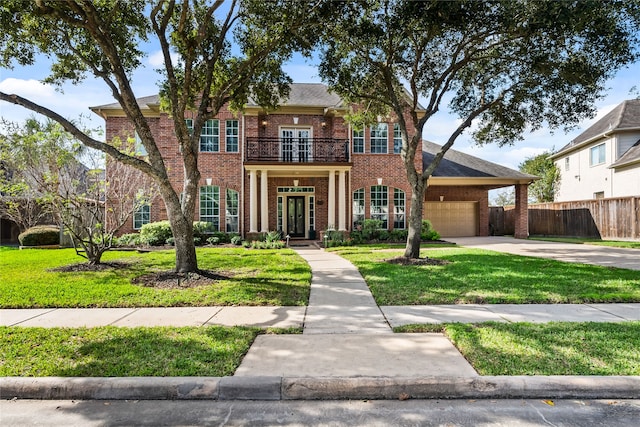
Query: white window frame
x=232, y=211
x=210, y=136
x=358, y=207
x=358, y=140
x=379, y=138
x=232, y=136
x=379, y=204
x=601, y=150
x=397, y=139
x=210, y=205
x=399, y=209
x=142, y=215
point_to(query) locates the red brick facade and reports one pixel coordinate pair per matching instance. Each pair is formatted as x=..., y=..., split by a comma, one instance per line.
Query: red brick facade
x=231, y=170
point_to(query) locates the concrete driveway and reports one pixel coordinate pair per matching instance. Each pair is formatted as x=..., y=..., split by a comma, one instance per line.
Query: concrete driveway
x=568, y=252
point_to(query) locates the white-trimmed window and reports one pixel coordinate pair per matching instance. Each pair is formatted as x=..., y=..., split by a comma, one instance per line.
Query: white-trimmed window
x=141, y=216
x=567, y=163
x=379, y=138
x=231, y=136
x=598, y=155
x=358, y=208
x=231, y=211
x=380, y=204
x=358, y=141
x=210, y=205
x=210, y=136
x=397, y=139
x=399, y=209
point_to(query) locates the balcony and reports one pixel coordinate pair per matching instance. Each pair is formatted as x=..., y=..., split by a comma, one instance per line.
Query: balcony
x=297, y=150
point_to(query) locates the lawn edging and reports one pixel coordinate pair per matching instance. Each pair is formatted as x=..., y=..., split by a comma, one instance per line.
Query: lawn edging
x=309, y=388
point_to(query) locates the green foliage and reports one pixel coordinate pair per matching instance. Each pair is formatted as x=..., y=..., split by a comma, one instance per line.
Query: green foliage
x=130, y=239
x=544, y=189
x=273, y=236
x=371, y=229
x=214, y=240
x=427, y=232
x=201, y=229
x=236, y=240
x=40, y=235
x=155, y=233
x=335, y=238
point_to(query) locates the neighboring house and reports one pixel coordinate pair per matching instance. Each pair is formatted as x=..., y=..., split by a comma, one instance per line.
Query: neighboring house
x=302, y=169
x=604, y=160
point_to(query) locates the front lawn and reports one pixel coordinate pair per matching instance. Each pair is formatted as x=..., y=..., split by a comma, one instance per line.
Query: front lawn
x=546, y=348
x=487, y=277
x=123, y=352
x=247, y=277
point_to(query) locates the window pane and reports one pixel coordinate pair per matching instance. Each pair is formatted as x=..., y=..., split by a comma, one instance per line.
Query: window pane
x=399, y=218
x=231, y=211
x=358, y=208
x=141, y=216
x=379, y=138
x=210, y=205
x=380, y=204
x=210, y=136
x=598, y=155
x=231, y=131
x=358, y=141
x=397, y=139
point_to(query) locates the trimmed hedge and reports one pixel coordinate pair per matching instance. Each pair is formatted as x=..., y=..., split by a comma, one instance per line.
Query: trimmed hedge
x=40, y=235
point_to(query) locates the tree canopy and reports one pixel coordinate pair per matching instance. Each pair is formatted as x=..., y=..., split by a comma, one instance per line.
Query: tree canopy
x=544, y=189
x=214, y=52
x=502, y=67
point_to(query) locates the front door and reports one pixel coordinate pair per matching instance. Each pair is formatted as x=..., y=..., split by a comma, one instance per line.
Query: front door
x=295, y=216
x=295, y=145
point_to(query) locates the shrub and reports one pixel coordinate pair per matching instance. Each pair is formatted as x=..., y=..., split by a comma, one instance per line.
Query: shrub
x=171, y=241
x=40, y=235
x=236, y=239
x=273, y=236
x=371, y=229
x=337, y=238
x=220, y=235
x=155, y=233
x=202, y=229
x=213, y=240
x=427, y=232
x=398, y=235
x=131, y=239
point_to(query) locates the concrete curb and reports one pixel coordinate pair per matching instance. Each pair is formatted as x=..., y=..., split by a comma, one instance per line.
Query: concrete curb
x=334, y=388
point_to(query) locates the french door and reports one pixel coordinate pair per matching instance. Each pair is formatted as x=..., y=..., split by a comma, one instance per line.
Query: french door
x=295, y=216
x=295, y=145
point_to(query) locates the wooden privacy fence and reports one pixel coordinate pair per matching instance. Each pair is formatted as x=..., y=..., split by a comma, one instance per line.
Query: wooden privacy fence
x=615, y=218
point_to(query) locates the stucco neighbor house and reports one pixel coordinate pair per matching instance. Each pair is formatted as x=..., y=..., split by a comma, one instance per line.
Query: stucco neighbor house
x=604, y=160
x=303, y=168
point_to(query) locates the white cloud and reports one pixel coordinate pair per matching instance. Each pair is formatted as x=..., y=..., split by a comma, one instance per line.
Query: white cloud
x=27, y=88
x=156, y=59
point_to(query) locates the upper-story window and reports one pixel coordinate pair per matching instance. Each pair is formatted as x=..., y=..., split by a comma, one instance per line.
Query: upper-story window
x=379, y=138
x=566, y=163
x=598, y=155
x=210, y=136
x=358, y=141
x=231, y=134
x=397, y=139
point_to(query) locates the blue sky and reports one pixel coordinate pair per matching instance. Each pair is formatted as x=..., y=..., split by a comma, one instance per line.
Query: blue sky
x=74, y=101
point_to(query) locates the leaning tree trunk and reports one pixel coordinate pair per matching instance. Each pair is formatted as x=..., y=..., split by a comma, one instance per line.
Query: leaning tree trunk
x=412, y=250
x=182, y=229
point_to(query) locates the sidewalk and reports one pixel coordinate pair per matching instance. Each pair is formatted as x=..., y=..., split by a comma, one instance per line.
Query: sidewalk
x=347, y=350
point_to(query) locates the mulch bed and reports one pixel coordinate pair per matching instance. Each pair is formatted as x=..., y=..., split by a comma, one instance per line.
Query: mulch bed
x=77, y=268
x=173, y=280
x=417, y=261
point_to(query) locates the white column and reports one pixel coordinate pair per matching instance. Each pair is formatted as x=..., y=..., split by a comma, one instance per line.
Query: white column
x=331, y=202
x=342, y=207
x=264, y=202
x=253, y=202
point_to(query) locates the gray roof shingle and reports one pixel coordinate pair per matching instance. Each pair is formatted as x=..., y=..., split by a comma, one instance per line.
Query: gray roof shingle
x=457, y=164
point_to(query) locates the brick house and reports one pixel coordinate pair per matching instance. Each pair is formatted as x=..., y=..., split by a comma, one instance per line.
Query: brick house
x=302, y=169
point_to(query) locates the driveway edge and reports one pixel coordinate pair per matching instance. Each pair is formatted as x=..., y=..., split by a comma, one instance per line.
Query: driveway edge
x=333, y=388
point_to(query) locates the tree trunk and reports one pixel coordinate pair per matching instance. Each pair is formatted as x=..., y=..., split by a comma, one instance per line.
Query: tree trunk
x=182, y=229
x=412, y=250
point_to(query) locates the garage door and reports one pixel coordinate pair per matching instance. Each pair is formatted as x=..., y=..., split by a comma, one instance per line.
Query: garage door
x=453, y=219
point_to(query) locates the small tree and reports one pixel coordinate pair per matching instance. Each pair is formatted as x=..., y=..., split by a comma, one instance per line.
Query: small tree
x=544, y=189
x=505, y=197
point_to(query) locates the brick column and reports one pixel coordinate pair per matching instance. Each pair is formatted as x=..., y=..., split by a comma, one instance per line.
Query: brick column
x=522, y=212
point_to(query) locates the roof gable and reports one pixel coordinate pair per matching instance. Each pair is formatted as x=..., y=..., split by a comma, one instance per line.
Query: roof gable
x=624, y=116
x=632, y=155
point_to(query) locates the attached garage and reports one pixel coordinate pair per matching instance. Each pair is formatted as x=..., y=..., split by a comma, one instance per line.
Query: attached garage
x=453, y=219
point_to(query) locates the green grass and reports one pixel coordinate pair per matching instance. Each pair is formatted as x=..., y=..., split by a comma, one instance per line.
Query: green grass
x=597, y=242
x=545, y=349
x=481, y=276
x=254, y=277
x=123, y=352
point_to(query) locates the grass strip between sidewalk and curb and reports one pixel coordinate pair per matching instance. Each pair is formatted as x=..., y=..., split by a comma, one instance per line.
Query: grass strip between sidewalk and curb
x=110, y=351
x=556, y=348
x=476, y=276
x=248, y=277
x=627, y=244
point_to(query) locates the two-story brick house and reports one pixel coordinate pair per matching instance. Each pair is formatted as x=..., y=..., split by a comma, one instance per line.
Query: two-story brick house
x=303, y=168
